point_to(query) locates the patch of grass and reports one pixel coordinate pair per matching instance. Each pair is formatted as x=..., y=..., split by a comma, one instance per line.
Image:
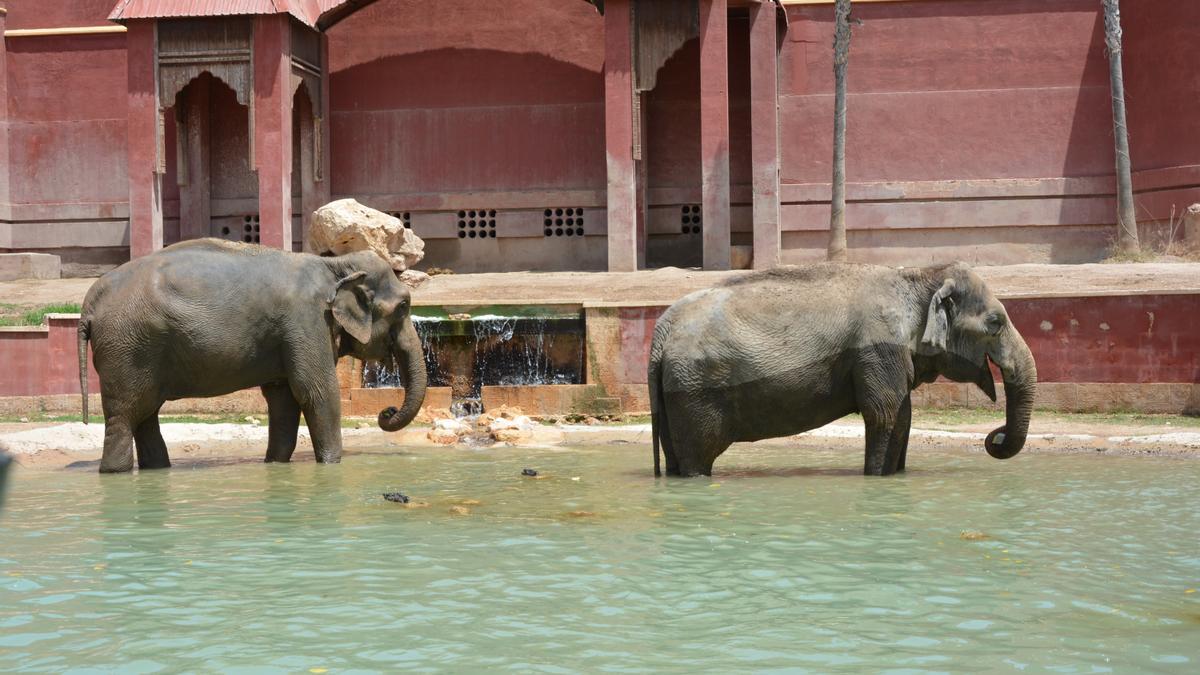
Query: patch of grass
x=9, y=315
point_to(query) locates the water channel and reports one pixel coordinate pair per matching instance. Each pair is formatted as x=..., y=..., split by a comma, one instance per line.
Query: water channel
x=784, y=560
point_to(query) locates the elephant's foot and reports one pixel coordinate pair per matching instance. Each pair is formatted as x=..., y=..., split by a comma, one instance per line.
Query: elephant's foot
x=116, y=467
x=329, y=457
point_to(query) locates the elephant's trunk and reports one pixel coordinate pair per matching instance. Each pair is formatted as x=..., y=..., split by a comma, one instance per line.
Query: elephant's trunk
x=1020, y=383
x=411, y=360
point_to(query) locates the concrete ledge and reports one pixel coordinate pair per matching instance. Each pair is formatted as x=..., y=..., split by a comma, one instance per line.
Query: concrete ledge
x=29, y=266
x=368, y=402
x=553, y=399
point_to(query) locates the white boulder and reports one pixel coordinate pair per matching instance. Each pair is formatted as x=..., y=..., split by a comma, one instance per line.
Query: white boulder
x=519, y=428
x=345, y=226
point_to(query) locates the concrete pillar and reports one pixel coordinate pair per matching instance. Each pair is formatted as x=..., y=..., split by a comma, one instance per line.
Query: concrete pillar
x=618, y=136
x=714, y=132
x=195, y=184
x=145, y=154
x=323, y=191
x=764, y=134
x=272, y=109
x=5, y=195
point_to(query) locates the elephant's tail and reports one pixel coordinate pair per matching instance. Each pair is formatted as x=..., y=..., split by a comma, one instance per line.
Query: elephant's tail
x=84, y=330
x=660, y=432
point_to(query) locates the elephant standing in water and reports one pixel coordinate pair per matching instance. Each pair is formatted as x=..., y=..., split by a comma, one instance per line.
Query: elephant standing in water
x=784, y=351
x=210, y=317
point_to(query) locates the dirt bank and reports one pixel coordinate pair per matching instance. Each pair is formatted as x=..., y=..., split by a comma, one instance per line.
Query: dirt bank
x=77, y=446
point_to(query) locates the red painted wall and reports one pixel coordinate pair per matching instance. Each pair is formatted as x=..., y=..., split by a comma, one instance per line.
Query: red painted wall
x=39, y=363
x=458, y=97
x=436, y=101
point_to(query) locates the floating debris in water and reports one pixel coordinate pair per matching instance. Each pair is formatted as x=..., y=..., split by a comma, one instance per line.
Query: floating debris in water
x=529, y=472
x=396, y=497
x=968, y=535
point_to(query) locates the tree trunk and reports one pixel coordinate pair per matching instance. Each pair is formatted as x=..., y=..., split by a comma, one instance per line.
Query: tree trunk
x=1127, y=234
x=841, y=52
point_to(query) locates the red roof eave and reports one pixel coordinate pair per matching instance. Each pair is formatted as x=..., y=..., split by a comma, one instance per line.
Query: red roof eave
x=306, y=11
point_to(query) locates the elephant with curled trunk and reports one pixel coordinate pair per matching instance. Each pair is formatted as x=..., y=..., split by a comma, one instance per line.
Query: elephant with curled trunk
x=784, y=351
x=210, y=317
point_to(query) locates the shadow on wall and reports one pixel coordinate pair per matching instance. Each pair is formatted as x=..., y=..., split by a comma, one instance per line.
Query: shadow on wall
x=450, y=120
x=455, y=78
x=1090, y=149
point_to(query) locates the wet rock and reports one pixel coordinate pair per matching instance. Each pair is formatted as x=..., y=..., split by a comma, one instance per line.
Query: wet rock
x=460, y=511
x=449, y=431
x=514, y=430
x=345, y=226
x=968, y=535
x=442, y=436
x=528, y=472
x=431, y=415
x=397, y=497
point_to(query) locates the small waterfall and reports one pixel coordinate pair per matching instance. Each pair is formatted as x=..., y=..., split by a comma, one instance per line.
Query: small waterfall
x=468, y=354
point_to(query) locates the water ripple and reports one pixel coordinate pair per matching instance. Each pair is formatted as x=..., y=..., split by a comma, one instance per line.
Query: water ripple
x=783, y=561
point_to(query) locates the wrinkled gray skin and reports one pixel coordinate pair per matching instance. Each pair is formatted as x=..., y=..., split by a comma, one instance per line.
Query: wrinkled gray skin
x=209, y=317
x=784, y=351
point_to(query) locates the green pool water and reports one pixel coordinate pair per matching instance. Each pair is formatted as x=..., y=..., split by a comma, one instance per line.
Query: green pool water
x=785, y=560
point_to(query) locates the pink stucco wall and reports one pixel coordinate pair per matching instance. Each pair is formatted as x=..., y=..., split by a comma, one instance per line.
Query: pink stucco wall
x=978, y=129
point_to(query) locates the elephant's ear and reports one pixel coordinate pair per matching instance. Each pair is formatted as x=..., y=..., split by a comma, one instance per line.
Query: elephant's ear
x=351, y=305
x=937, y=323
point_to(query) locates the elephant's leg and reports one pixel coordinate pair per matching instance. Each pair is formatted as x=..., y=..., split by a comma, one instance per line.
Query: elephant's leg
x=898, y=446
x=151, y=448
x=880, y=386
x=283, y=422
x=118, y=445
x=323, y=413
x=698, y=434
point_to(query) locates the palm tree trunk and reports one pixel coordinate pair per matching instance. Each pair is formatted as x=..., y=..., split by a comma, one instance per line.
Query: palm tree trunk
x=841, y=53
x=1127, y=234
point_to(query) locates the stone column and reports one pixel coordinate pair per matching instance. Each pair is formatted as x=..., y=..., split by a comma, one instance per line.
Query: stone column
x=272, y=110
x=618, y=136
x=764, y=134
x=144, y=144
x=195, y=186
x=5, y=194
x=714, y=132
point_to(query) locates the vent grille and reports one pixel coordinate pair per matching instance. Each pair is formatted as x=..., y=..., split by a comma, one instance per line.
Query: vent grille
x=563, y=222
x=247, y=231
x=404, y=217
x=690, y=219
x=477, y=224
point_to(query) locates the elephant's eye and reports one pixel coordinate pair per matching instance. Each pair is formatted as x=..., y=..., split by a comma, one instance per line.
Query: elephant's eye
x=994, y=322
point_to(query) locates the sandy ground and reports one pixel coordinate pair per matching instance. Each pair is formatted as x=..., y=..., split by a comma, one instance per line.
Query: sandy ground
x=77, y=446
x=669, y=284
